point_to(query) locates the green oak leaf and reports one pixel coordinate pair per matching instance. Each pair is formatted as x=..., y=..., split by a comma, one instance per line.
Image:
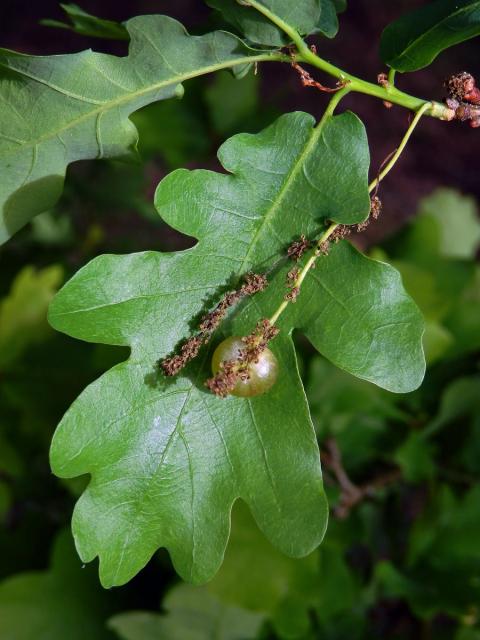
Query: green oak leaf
x=87, y=25
x=63, y=602
x=167, y=458
x=415, y=39
x=59, y=109
x=192, y=613
x=307, y=17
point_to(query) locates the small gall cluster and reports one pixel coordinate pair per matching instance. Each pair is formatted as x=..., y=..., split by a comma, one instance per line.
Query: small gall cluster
x=464, y=98
x=296, y=250
x=375, y=207
x=322, y=249
x=342, y=231
x=291, y=282
x=384, y=82
x=254, y=283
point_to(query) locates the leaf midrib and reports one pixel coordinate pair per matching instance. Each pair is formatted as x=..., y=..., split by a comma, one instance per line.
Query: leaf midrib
x=133, y=95
x=289, y=179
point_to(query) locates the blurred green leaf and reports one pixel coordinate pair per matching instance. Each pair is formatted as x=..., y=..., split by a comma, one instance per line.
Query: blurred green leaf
x=49, y=228
x=447, y=533
x=257, y=577
x=352, y=411
x=416, y=458
x=468, y=633
x=232, y=101
x=463, y=319
x=437, y=341
x=23, y=313
x=457, y=218
x=191, y=613
x=63, y=602
x=435, y=256
x=173, y=130
x=443, y=570
x=461, y=398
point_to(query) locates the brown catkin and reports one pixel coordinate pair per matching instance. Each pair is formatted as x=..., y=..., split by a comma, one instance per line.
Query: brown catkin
x=253, y=283
x=296, y=250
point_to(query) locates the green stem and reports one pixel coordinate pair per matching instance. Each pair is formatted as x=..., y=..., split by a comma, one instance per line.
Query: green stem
x=390, y=94
x=423, y=109
x=371, y=187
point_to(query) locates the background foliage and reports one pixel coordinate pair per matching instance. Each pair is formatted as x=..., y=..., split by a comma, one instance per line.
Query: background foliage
x=401, y=556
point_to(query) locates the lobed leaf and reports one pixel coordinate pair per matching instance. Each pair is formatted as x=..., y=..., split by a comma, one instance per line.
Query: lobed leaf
x=415, y=40
x=167, y=458
x=59, y=109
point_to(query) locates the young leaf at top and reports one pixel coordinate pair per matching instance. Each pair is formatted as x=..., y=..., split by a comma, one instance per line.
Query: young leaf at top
x=307, y=17
x=167, y=458
x=415, y=40
x=87, y=25
x=59, y=109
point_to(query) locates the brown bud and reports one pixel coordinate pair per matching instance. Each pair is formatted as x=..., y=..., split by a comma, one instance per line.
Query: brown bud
x=382, y=80
x=462, y=87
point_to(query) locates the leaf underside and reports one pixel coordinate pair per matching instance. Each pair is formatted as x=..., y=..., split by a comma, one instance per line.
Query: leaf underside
x=81, y=105
x=167, y=459
x=415, y=40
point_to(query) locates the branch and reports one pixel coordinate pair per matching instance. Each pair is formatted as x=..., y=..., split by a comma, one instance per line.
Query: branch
x=388, y=94
x=350, y=493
